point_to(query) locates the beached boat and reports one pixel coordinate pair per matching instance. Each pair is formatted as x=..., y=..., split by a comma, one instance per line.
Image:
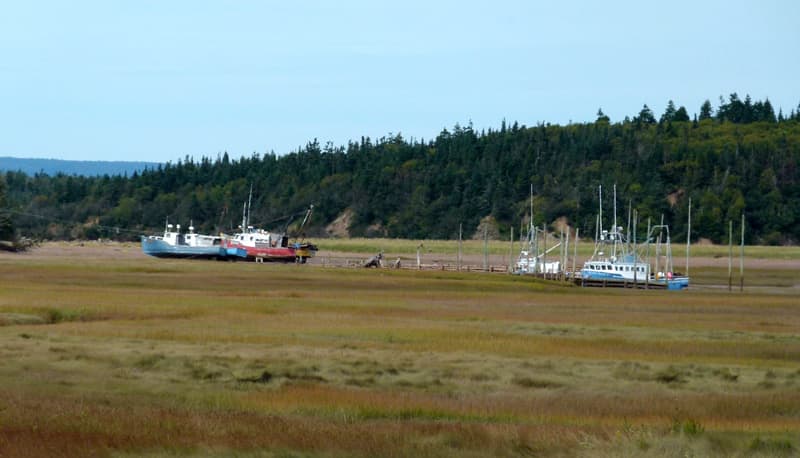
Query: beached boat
x=532, y=260
x=174, y=244
x=616, y=260
x=264, y=246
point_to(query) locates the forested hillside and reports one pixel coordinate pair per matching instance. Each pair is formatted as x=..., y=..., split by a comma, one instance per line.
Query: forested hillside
x=738, y=157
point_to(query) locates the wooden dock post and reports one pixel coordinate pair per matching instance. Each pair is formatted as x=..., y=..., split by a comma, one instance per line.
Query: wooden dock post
x=730, y=255
x=647, y=262
x=575, y=252
x=485, y=248
x=459, y=246
x=511, y=251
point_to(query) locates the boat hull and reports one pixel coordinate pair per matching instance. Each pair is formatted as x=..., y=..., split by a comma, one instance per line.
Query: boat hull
x=272, y=254
x=601, y=279
x=161, y=249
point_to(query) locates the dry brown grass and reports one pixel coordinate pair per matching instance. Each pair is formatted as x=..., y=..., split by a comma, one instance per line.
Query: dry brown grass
x=141, y=356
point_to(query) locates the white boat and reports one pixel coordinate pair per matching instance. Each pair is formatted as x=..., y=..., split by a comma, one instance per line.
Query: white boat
x=530, y=259
x=530, y=263
x=264, y=246
x=174, y=244
x=616, y=259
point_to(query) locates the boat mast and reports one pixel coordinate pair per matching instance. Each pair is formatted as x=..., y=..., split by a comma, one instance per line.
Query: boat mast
x=628, y=230
x=614, y=233
x=532, y=232
x=249, y=201
x=600, y=218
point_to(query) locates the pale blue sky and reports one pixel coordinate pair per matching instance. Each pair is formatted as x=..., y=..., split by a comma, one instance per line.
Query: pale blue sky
x=157, y=80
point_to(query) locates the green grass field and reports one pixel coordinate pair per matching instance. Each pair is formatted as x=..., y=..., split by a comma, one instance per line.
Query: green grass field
x=139, y=356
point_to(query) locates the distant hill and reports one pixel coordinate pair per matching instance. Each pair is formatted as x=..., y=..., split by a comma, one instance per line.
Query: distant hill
x=738, y=159
x=84, y=168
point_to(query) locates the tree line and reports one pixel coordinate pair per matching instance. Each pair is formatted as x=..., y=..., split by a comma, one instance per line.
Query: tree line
x=740, y=157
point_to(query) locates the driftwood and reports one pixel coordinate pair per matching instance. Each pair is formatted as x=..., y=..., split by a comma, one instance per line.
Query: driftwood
x=375, y=261
x=18, y=245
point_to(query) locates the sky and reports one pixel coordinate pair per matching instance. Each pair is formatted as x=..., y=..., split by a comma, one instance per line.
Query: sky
x=158, y=80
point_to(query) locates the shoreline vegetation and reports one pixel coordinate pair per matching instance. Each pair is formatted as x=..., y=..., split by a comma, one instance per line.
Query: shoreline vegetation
x=737, y=160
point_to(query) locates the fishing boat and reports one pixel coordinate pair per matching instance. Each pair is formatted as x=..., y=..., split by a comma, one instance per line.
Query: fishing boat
x=532, y=260
x=616, y=260
x=174, y=244
x=260, y=245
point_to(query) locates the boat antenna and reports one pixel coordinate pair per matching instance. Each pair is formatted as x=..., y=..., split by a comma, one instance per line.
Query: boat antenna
x=249, y=202
x=244, y=217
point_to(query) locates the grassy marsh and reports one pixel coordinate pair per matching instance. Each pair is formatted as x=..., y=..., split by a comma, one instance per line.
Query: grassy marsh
x=139, y=356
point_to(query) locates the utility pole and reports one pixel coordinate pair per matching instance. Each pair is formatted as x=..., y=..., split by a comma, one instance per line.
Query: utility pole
x=741, y=259
x=730, y=254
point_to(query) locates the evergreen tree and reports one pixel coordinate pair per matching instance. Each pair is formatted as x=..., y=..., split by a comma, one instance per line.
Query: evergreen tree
x=669, y=113
x=645, y=116
x=681, y=115
x=6, y=224
x=706, y=112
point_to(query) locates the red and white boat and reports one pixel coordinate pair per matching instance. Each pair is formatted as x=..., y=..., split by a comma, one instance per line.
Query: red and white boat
x=264, y=246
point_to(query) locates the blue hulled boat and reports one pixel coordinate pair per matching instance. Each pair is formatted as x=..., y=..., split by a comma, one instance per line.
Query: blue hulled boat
x=173, y=244
x=616, y=259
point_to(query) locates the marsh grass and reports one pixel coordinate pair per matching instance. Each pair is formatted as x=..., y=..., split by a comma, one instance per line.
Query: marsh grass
x=169, y=358
x=501, y=247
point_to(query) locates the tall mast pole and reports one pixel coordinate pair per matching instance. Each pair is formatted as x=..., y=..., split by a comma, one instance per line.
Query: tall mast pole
x=249, y=201
x=647, y=268
x=635, y=254
x=628, y=229
x=614, y=229
x=600, y=193
x=688, y=237
x=532, y=234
